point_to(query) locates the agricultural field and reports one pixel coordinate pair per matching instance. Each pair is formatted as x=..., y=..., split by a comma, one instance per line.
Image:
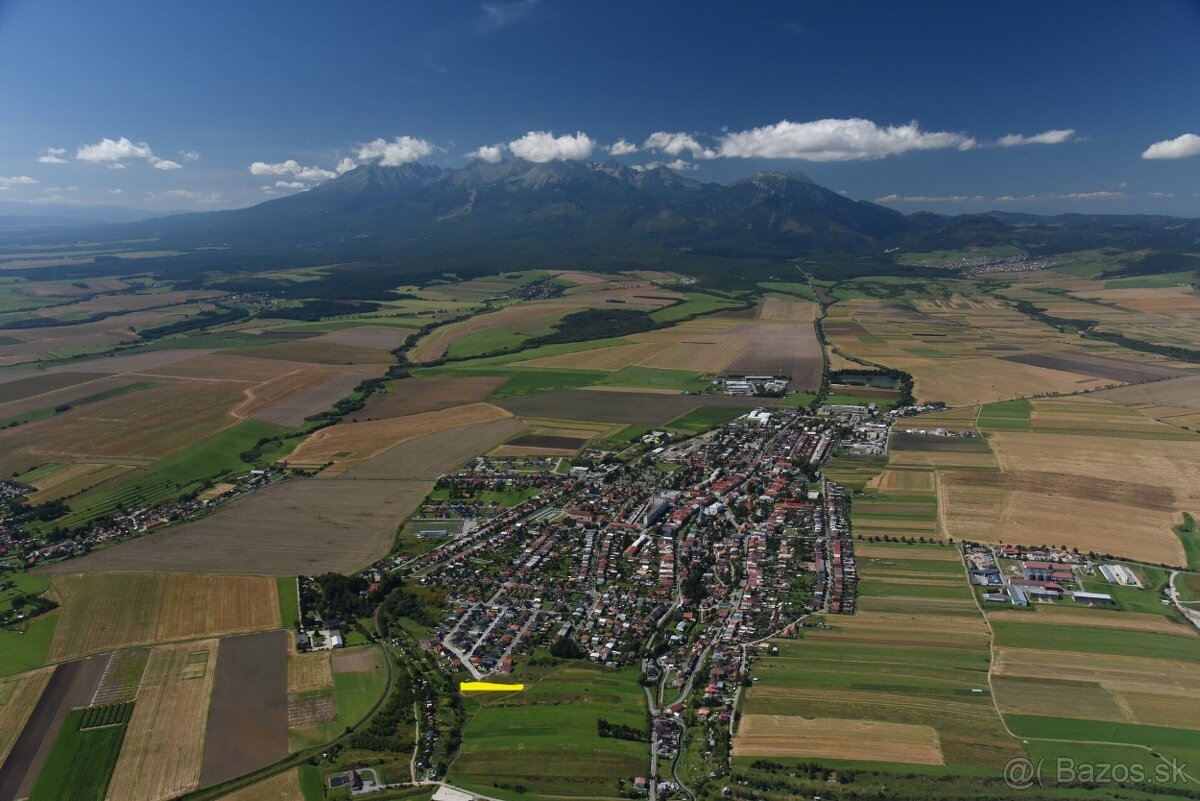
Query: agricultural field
x=297, y=527
x=1081, y=472
x=427, y=457
x=904, y=681
x=1126, y=678
x=18, y=696
x=247, y=726
x=84, y=754
x=103, y=611
x=341, y=447
x=545, y=738
x=164, y=744
x=338, y=695
x=964, y=346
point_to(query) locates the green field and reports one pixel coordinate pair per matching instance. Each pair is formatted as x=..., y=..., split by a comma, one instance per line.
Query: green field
x=24, y=646
x=853, y=472
x=355, y=694
x=311, y=786
x=1095, y=640
x=696, y=303
x=82, y=761
x=289, y=602
x=1011, y=415
x=706, y=417
x=521, y=380
x=1189, y=534
x=545, y=739
x=901, y=668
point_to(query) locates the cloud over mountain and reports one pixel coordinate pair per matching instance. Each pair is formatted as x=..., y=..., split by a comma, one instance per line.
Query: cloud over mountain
x=837, y=140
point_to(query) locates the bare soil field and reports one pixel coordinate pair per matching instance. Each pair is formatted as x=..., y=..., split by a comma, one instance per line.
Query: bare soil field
x=248, y=716
x=618, y=407
x=103, y=611
x=356, y=660
x=340, y=447
x=287, y=403
x=831, y=738
x=931, y=443
x=783, y=349
x=1098, y=366
x=280, y=787
x=18, y=697
x=1182, y=393
x=164, y=744
x=30, y=384
x=430, y=456
x=416, y=395
x=302, y=527
x=310, y=350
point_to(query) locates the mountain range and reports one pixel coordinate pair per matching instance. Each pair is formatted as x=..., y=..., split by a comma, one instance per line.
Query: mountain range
x=427, y=219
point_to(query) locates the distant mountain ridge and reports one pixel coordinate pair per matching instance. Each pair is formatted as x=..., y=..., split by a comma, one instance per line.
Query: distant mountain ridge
x=421, y=220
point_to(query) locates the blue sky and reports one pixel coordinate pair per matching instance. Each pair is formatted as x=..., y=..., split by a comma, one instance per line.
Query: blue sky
x=950, y=106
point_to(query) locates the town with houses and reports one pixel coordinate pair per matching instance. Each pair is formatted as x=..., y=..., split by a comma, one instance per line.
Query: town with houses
x=683, y=557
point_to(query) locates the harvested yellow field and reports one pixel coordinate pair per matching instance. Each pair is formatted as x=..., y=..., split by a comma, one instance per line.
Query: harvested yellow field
x=215, y=491
x=705, y=353
x=309, y=671
x=833, y=738
x=784, y=309
x=1102, y=691
x=280, y=787
x=1153, y=480
x=347, y=444
x=967, y=382
x=18, y=696
x=164, y=744
x=903, y=625
x=1125, y=674
x=203, y=606
x=105, y=611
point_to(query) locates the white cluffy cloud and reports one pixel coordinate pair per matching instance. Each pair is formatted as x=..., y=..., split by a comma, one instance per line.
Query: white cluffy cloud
x=400, y=150
x=52, y=155
x=293, y=168
x=492, y=154
x=1181, y=147
x=837, y=140
x=344, y=166
x=543, y=146
x=677, y=165
x=622, y=148
x=16, y=180
x=189, y=155
x=1055, y=137
x=673, y=144
x=117, y=151
x=291, y=185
